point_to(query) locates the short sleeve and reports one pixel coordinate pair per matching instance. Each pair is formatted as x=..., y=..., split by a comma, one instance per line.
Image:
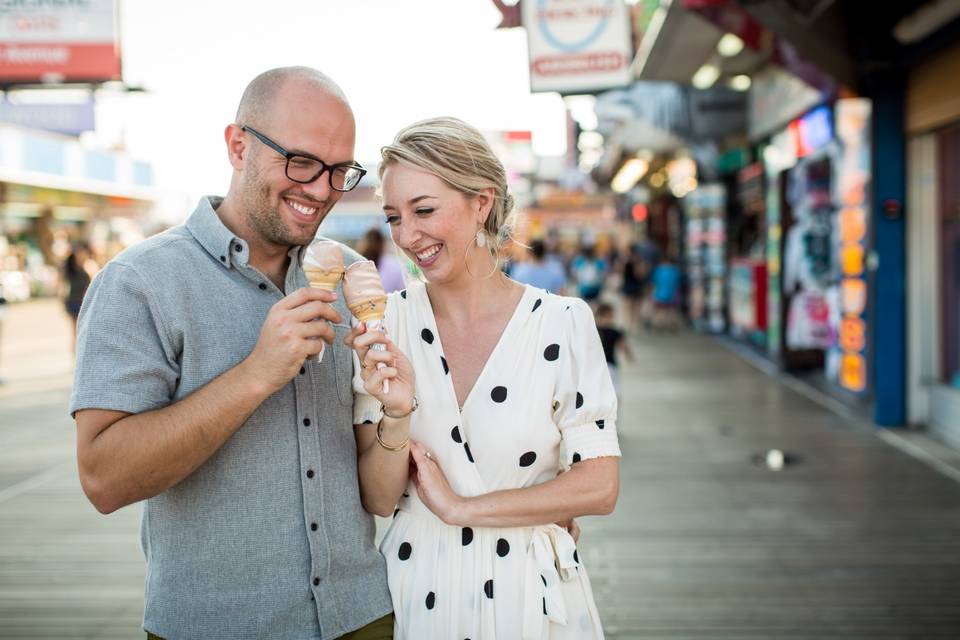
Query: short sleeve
x=126, y=360
x=585, y=399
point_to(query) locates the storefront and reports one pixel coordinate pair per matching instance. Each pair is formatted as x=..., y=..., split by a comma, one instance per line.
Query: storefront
x=53, y=193
x=933, y=127
x=817, y=173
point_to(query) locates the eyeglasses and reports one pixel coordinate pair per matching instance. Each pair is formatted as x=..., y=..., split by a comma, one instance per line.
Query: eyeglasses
x=305, y=169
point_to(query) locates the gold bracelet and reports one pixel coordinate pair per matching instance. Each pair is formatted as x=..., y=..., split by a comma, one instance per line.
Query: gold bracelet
x=414, y=407
x=386, y=446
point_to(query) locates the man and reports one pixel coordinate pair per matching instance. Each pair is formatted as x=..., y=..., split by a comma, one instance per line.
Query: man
x=539, y=273
x=196, y=391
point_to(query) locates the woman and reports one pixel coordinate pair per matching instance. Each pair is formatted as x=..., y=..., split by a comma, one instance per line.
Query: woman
x=391, y=270
x=77, y=278
x=512, y=386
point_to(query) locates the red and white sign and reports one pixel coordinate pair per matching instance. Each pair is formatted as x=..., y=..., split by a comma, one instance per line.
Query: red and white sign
x=578, y=45
x=69, y=40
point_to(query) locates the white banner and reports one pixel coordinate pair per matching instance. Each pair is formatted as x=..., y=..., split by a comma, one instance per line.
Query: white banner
x=578, y=45
x=61, y=40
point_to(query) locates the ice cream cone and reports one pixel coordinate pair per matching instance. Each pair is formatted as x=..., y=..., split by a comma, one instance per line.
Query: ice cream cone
x=368, y=310
x=323, y=266
x=366, y=300
x=325, y=279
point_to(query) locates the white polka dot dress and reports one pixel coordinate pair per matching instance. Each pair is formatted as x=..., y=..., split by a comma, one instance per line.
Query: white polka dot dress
x=543, y=401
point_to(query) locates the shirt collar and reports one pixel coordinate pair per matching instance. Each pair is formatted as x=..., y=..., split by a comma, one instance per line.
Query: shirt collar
x=221, y=243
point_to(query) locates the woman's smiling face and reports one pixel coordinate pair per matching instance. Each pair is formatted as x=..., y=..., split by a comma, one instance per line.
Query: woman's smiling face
x=431, y=222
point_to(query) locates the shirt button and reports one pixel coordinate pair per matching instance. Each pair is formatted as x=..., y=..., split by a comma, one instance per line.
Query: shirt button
x=313, y=526
x=316, y=582
x=306, y=422
x=309, y=473
x=302, y=370
x=262, y=286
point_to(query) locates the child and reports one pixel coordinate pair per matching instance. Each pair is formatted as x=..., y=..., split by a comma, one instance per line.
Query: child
x=612, y=339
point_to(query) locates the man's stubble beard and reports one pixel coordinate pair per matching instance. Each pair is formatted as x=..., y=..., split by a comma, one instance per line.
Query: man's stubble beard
x=262, y=214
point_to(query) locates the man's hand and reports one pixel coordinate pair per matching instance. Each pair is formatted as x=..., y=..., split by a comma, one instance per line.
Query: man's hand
x=290, y=335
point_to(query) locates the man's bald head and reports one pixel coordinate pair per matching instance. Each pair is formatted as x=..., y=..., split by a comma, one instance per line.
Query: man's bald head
x=258, y=98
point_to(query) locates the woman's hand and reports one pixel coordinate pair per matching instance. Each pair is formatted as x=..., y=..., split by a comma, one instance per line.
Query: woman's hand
x=396, y=369
x=433, y=488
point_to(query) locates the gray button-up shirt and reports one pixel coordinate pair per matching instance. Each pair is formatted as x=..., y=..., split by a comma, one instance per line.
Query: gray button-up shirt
x=267, y=539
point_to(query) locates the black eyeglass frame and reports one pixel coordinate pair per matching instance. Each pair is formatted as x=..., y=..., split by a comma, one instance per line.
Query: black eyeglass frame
x=324, y=167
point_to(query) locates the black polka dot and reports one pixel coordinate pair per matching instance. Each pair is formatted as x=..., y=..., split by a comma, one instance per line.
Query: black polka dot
x=499, y=394
x=576, y=457
x=536, y=305
x=403, y=294
x=431, y=600
x=576, y=557
x=262, y=286
x=405, y=550
x=455, y=434
x=503, y=547
x=552, y=352
x=488, y=588
x=579, y=399
x=427, y=336
x=600, y=424
x=466, y=536
x=567, y=309
x=466, y=447
x=528, y=459
x=446, y=367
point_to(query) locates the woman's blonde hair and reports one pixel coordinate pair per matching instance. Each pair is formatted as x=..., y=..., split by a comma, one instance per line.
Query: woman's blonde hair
x=458, y=154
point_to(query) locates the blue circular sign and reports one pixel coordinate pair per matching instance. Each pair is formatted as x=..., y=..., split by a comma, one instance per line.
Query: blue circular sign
x=571, y=47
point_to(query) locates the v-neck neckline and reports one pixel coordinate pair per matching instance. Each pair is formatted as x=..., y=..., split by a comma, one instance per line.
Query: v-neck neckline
x=507, y=330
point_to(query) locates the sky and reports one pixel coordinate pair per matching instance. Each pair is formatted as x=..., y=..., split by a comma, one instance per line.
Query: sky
x=398, y=61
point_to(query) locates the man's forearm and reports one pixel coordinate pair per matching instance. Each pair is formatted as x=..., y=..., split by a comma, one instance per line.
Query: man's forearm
x=142, y=455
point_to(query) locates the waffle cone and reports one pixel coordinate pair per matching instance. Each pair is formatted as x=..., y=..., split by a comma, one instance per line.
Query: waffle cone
x=371, y=309
x=323, y=278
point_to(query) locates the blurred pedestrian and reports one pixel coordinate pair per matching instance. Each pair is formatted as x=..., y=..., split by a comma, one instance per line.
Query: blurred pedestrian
x=537, y=272
x=588, y=272
x=77, y=274
x=3, y=312
x=373, y=246
x=666, y=295
x=614, y=342
x=196, y=391
x=635, y=273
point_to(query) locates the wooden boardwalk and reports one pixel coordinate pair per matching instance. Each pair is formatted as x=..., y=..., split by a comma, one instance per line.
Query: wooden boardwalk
x=857, y=541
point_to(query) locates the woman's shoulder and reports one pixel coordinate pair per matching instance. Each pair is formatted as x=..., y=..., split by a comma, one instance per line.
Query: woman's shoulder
x=554, y=304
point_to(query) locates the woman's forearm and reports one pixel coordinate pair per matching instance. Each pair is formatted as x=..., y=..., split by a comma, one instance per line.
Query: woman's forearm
x=383, y=473
x=591, y=487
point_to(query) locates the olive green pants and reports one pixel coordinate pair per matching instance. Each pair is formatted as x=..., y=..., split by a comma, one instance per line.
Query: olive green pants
x=381, y=629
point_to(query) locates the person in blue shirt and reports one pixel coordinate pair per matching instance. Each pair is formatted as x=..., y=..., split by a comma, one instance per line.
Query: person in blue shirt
x=537, y=272
x=589, y=270
x=666, y=294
